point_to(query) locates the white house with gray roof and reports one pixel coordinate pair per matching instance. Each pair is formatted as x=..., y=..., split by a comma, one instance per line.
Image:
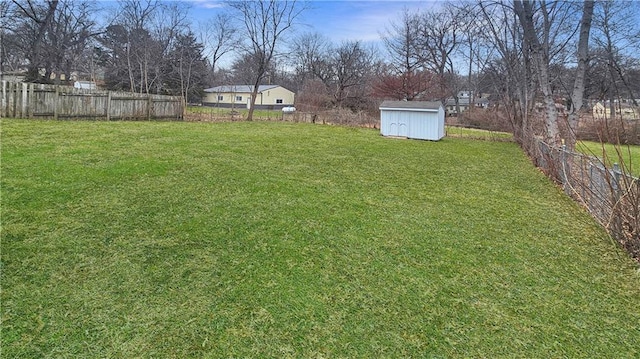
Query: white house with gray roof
x=271, y=97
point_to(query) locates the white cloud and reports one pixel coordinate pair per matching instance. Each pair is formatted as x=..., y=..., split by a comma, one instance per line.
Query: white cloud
x=207, y=4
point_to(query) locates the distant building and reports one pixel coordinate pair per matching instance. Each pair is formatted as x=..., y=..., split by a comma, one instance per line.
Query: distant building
x=622, y=110
x=271, y=97
x=88, y=85
x=464, y=102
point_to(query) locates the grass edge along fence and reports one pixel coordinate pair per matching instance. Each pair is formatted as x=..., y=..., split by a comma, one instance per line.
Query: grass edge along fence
x=610, y=195
x=42, y=101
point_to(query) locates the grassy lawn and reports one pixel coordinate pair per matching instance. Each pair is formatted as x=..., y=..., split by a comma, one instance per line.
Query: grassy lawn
x=455, y=131
x=626, y=155
x=272, y=239
x=239, y=113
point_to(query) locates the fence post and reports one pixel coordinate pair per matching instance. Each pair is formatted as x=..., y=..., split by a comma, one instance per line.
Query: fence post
x=11, y=100
x=31, y=100
x=149, y=102
x=183, y=108
x=25, y=99
x=56, y=98
x=108, y=109
x=563, y=164
x=616, y=206
x=3, y=109
x=617, y=172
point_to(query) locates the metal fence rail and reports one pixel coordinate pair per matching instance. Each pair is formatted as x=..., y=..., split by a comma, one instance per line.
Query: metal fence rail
x=29, y=100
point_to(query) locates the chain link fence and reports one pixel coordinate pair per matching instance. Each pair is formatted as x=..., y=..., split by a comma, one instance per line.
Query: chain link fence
x=607, y=192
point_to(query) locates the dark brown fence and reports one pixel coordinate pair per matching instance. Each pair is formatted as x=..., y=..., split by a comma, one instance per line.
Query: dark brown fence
x=28, y=100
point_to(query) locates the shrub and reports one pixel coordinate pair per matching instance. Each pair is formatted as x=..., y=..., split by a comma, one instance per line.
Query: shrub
x=625, y=132
x=484, y=119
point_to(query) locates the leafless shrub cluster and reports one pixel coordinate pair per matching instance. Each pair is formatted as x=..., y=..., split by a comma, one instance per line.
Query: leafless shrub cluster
x=483, y=119
x=606, y=190
x=611, y=131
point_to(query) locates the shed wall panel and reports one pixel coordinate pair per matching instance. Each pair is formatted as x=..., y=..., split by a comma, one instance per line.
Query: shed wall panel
x=426, y=125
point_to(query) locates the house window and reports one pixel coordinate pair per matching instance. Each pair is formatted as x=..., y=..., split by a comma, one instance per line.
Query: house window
x=220, y=98
x=238, y=98
x=279, y=100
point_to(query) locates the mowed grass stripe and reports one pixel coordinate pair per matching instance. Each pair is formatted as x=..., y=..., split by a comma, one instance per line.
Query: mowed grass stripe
x=138, y=239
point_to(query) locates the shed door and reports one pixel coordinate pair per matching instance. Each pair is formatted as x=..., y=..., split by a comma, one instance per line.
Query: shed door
x=397, y=124
x=402, y=128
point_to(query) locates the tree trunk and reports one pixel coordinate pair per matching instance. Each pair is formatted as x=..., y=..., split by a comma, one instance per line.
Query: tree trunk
x=539, y=54
x=578, y=86
x=252, y=100
x=552, y=134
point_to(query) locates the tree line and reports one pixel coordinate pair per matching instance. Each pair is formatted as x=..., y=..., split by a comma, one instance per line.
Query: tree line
x=533, y=57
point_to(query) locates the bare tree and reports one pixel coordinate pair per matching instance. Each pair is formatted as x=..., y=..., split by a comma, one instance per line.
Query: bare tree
x=71, y=31
x=351, y=66
x=438, y=38
x=168, y=26
x=578, y=87
x=33, y=20
x=346, y=71
x=185, y=70
x=616, y=34
x=47, y=37
x=134, y=20
x=139, y=41
x=547, y=28
x=219, y=37
x=511, y=73
x=406, y=79
x=408, y=86
x=265, y=23
x=539, y=52
x=245, y=67
x=475, y=46
x=5, y=9
x=310, y=53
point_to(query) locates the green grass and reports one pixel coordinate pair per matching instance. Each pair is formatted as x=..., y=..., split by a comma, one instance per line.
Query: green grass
x=241, y=112
x=628, y=156
x=271, y=239
x=455, y=131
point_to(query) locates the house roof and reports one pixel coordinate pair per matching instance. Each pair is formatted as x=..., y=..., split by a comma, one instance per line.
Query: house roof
x=464, y=101
x=239, y=88
x=410, y=105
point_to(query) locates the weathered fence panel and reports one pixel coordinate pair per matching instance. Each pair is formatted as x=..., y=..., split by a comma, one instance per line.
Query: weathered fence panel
x=28, y=100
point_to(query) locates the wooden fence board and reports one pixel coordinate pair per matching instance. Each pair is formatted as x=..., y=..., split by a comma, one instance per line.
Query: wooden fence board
x=27, y=100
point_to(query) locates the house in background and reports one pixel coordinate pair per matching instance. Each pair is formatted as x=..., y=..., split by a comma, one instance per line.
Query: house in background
x=412, y=119
x=270, y=97
x=464, y=102
x=625, y=111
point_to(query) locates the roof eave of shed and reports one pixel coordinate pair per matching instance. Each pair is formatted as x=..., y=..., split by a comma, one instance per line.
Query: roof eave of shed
x=410, y=109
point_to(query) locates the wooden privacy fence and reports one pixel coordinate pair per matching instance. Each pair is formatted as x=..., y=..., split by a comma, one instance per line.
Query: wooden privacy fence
x=29, y=100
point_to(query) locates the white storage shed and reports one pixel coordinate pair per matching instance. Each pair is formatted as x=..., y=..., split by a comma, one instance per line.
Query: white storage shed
x=412, y=119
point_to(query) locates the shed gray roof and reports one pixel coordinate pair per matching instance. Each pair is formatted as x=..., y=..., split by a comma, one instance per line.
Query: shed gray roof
x=411, y=105
x=239, y=88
